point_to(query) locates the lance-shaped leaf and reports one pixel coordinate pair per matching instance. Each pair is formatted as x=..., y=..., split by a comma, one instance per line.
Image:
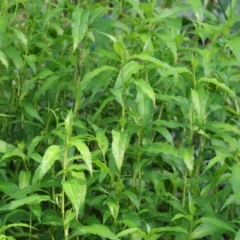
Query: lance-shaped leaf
x=119, y=145
x=50, y=156
x=76, y=191
x=79, y=25
x=84, y=150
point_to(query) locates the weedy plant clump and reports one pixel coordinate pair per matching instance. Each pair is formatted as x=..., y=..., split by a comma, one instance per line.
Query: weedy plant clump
x=119, y=120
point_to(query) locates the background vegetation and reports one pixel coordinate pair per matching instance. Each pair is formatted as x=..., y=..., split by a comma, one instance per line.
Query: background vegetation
x=119, y=120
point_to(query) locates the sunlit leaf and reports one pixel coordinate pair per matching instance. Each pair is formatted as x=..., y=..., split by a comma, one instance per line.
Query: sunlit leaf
x=79, y=25
x=198, y=8
x=218, y=84
x=204, y=229
x=76, y=191
x=234, y=198
x=146, y=88
x=3, y=59
x=50, y=156
x=119, y=145
x=29, y=200
x=95, y=229
x=31, y=61
x=85, y=152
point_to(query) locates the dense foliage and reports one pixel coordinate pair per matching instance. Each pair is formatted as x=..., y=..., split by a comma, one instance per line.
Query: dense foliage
x=119, y=120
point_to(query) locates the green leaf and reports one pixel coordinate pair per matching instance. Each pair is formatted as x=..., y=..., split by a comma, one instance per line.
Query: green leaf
x=119, y=145
x=3, y=59
x=237, y=237
x=120, y=49
x=114, y=209
x=231, y=199
x=169, y=12
x=170, y=42
x=188, y=157
x=146, y=88
x=15, y=56
x=233, y=44
x=31, y=110
x=218, y=84
x=50, y=156
x=169, y=229
x=11, y=150
x=145, y=108
x=33, y=145
x=89, y=76
x=4, y=228
x=196, y=102
x=76, y=191
x=3, y=27
x=165, y=133
x=169, y=124
x=20, y=35
x=31, y=61
x=79, y=25
x=128, y=231
x=148, y=58
x=216, y=159
x=24, y=179
x=126, y=73
x=198, y=8
x=30, y=200
x=47, y=84
x=96, y=229
x=218, y=223
x=160, y=147
x=235, y=178
x=8, y=188
x=84, y=150
x=133, y=197
x=204, y=229
x=135, y=5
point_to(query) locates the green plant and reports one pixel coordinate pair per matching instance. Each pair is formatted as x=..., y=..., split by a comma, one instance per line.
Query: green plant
x=119, y=120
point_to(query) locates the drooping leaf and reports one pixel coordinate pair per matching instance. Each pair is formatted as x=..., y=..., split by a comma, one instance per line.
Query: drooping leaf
x=50, y=156
x=218, y=223
x=126, y=73
x=216, y=159
x=232, y=199
x=146, y=88
x=29, y=200
x=76, y=191
x=218, y=84
x=47, y=84
x=89, y=76
x=133, y=197
x=31, y=61
x=15, y=56
x=31, y=110
x=79, y=25
x=204, y=229
x=85, y=152
x=170, y=229
x=3, y=59
x=119, y=145
x=188, y=157
x=95, y=229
